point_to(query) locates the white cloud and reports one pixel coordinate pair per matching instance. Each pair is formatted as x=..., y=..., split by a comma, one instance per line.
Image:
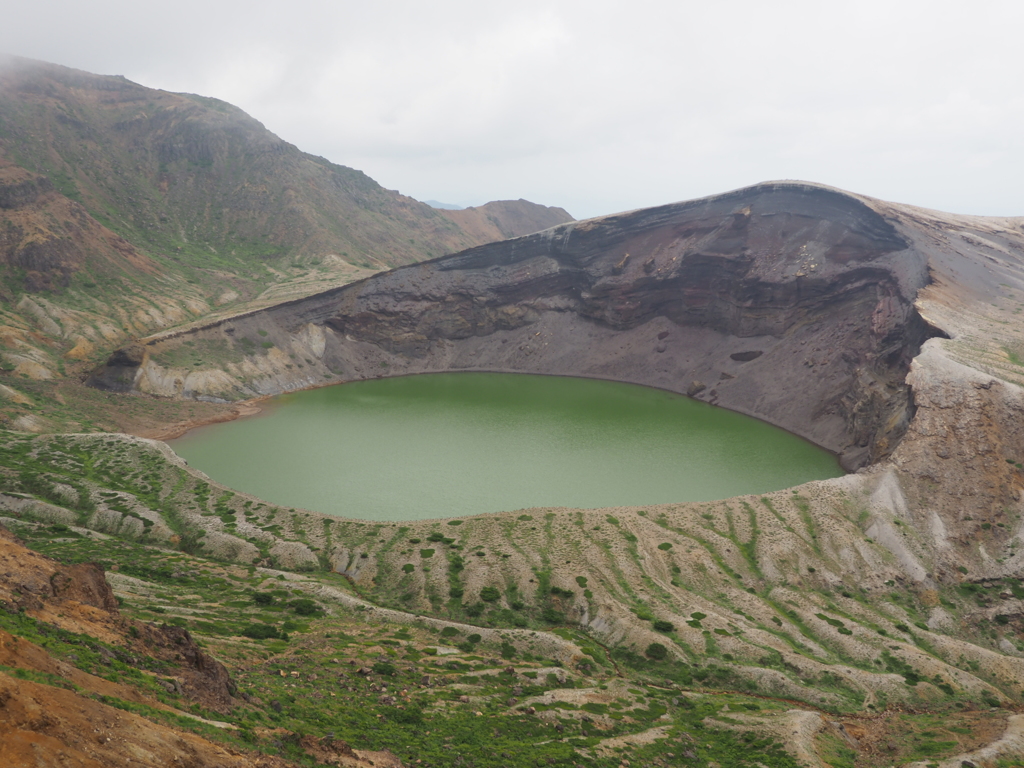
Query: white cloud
x=595, y=106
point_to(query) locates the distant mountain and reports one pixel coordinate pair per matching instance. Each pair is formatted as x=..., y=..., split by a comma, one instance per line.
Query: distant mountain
x=503, y=219
x=444, y=206
x=124, y=209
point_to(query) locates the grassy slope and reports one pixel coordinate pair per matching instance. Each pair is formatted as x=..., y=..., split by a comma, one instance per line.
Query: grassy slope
x=559, y=590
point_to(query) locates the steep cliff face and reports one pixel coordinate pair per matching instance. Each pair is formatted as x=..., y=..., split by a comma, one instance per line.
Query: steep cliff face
x=741, y=300
x=751, y=263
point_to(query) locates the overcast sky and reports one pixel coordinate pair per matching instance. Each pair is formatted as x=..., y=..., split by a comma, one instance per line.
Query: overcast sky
x=594, y=106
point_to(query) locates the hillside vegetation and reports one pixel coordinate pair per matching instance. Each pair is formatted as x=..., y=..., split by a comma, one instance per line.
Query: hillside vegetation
x=630, y=632
x=124, y=210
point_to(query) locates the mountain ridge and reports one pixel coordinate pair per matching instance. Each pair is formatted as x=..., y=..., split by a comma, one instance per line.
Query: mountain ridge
x=125, y=209
x=171, y=160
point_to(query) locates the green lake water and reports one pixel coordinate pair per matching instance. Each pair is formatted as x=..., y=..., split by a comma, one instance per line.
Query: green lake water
x=444, y=445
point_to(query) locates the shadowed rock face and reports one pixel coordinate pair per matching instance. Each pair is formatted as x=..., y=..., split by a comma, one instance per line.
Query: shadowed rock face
x=789, y=302
x=748, y=264
x=742, y=300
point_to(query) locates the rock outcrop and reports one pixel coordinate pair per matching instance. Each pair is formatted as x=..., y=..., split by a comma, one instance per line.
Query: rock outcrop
x=79, y=598
x=44, y=237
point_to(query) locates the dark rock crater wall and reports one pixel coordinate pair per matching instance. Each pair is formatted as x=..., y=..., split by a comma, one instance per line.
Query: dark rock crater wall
x=789, y=302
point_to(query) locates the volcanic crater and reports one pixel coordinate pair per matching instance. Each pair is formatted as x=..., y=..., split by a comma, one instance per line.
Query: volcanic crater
x=741, y=300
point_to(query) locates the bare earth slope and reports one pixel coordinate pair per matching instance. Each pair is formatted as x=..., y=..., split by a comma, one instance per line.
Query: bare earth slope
x=63, y=721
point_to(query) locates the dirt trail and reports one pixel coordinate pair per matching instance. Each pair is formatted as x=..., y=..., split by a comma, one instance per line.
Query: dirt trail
x=607, y=746
x=1010, y=745
x=801, y=727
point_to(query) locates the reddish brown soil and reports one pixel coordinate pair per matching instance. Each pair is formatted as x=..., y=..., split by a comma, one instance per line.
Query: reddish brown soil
x=63, y=724
x=41, y=725
x=177, y=429
x=891, y=738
